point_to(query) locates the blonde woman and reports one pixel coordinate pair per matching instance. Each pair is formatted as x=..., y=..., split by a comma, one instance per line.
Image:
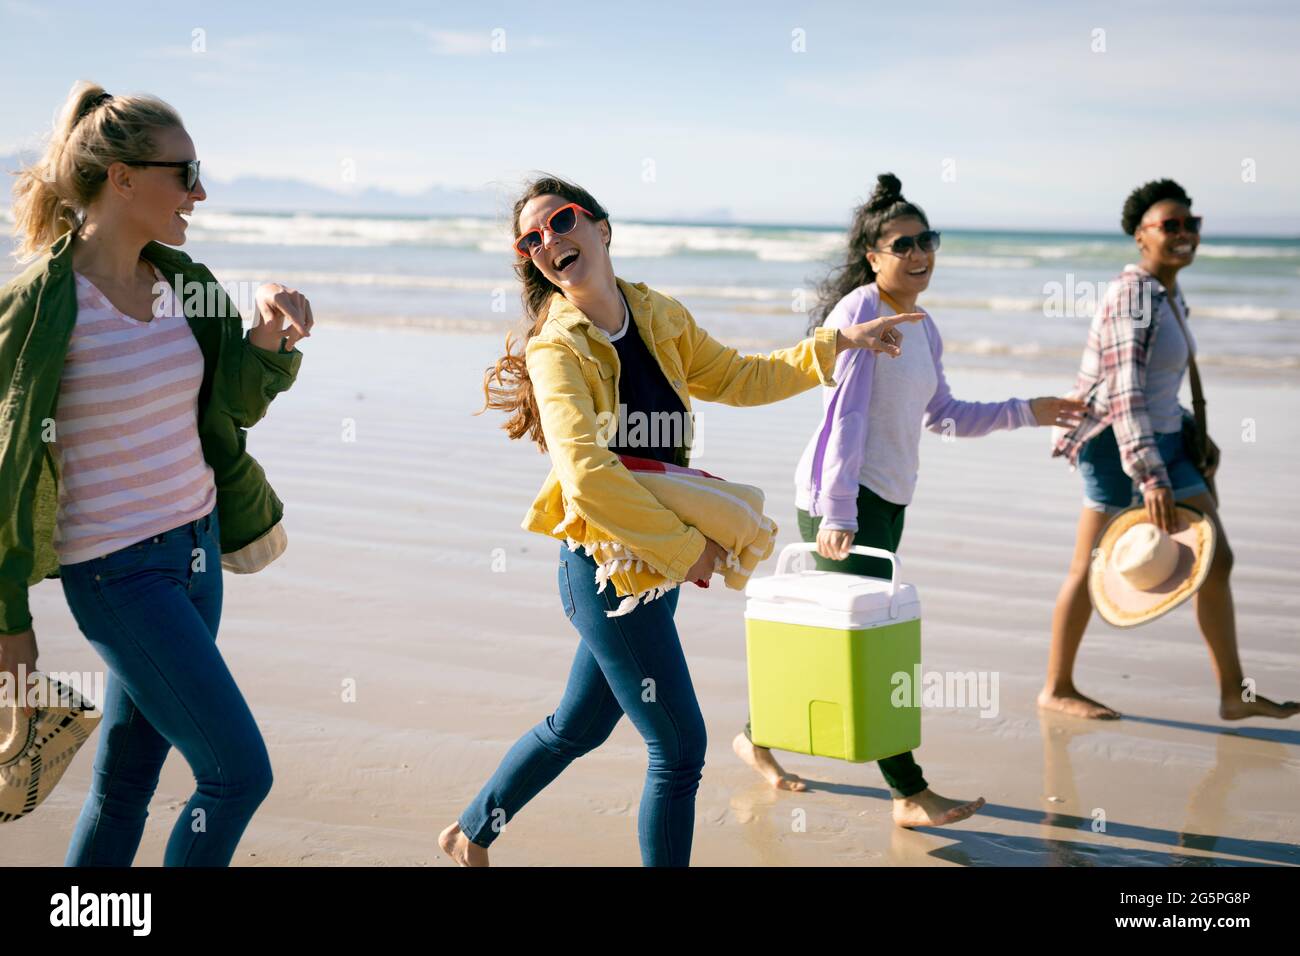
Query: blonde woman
x=143, y=484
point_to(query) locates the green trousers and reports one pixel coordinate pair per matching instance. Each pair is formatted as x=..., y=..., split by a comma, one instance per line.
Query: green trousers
x=880, y=525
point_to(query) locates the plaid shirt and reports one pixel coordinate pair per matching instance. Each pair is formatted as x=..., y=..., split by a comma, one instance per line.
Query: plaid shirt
x=1112, y=376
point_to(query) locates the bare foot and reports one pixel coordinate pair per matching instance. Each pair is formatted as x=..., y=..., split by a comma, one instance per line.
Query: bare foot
x=761, y=759
x=1234, y=708
x=928, y=809
x=458, y=847
x=1075, y=704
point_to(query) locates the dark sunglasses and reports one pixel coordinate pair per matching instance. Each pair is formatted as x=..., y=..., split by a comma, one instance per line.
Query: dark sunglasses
x=927, y=241
x=191, y=167
x=560, y=223
x=1171, y=227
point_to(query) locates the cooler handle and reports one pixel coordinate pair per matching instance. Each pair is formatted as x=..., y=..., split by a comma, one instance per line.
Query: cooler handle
x=788, y=552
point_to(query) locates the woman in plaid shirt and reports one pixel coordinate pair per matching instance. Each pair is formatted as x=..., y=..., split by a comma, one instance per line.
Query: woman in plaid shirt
x=1130, y=444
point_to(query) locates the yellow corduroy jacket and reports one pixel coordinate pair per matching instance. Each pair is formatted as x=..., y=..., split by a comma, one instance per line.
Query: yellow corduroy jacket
x=574, y=370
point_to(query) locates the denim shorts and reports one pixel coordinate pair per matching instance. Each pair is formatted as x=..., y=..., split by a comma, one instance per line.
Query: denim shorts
x=1106, y=488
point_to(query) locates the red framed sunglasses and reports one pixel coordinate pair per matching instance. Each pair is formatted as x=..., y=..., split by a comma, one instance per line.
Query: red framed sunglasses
x=559, y=223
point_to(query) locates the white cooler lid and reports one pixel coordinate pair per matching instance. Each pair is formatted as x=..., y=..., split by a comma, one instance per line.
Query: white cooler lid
x=829, y=599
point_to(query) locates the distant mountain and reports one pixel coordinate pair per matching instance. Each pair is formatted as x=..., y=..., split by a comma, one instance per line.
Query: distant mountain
x=255, y=194
x=258, y=194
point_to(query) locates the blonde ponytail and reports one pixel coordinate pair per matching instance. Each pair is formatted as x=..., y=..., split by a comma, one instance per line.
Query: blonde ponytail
x=93, y=131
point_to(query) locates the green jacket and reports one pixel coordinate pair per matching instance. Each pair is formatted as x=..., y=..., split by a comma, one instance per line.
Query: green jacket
x=38, y=310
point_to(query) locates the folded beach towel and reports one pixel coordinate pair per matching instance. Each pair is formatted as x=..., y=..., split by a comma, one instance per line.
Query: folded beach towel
x=729, y=513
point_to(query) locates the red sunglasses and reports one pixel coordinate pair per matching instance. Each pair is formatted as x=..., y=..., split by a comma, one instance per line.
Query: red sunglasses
x=559, y=223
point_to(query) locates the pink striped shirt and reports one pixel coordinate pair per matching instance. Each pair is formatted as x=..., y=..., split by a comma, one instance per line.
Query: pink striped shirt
x=126, y=429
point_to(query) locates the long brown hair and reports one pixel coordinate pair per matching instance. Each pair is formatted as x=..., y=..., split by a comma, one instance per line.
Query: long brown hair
x=94, y=130
x=506, y=385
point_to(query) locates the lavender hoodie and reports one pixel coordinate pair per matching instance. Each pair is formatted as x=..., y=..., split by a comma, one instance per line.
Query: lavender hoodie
x=826, y=481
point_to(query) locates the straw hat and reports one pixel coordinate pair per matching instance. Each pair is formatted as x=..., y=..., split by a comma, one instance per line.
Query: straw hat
x=35, y=751
x=1140, y=572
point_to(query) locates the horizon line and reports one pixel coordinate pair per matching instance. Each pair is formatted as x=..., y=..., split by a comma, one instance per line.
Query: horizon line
x=1293, y=236
x=1093, y=233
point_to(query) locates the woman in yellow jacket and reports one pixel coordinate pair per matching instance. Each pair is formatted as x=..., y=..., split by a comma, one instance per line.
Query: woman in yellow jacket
x=599, y=347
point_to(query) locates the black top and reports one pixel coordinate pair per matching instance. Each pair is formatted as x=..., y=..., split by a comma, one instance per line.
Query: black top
x=653, y=423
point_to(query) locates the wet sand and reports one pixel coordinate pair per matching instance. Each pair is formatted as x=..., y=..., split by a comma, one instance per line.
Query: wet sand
x=409, y=578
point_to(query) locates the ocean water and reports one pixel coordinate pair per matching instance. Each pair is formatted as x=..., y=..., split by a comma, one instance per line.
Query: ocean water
x=1009, y=300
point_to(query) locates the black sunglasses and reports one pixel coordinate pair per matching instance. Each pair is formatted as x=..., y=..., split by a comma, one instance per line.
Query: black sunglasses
x=927, y=241
x=1171, y=227
x=191, y=167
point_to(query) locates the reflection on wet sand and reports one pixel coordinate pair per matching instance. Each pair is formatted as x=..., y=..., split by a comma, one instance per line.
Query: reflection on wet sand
x=1064, y=830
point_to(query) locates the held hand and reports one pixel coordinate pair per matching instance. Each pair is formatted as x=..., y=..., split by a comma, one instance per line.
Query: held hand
x=283, y=315
x=1065, y=412
x=1160, y=509
x=878, y=334
x=19, y=650
x=710, y=558
x=834, y=545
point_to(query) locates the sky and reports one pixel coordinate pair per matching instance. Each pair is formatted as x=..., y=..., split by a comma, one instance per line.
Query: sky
x=1008, y=115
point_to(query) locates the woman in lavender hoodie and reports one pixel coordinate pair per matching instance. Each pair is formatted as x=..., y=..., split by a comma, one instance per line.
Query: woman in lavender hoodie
x=858, y=472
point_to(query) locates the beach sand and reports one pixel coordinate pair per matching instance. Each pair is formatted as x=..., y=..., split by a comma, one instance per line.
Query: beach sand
x=409, y=579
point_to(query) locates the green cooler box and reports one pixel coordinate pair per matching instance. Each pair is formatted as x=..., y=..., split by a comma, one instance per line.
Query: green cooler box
x=824, y=650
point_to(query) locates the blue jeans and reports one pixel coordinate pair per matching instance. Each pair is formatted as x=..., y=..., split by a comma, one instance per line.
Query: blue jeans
x=1107, y=489
x=630, y=665
x=153, y=618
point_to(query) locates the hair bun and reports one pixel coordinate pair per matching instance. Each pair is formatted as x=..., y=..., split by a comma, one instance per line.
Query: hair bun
x=887, y=192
